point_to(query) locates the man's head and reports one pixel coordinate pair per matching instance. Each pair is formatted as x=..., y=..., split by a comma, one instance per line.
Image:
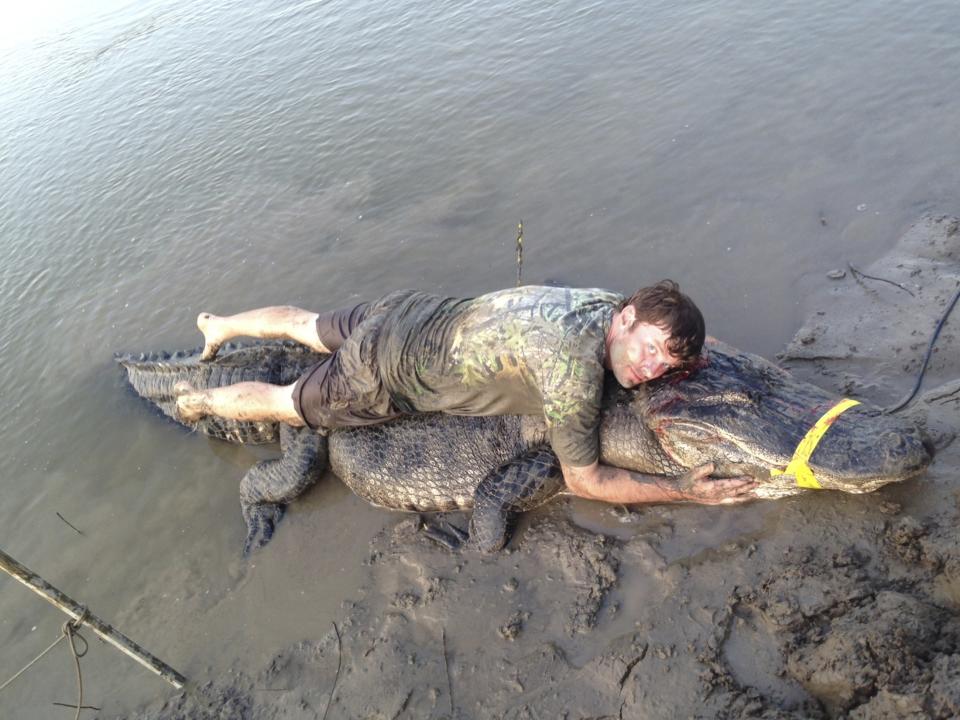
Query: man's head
x=656, y=329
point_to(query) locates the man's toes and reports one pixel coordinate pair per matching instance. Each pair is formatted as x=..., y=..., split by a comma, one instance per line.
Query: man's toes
x=189, y=410
x=210, y=351
x=189, y=404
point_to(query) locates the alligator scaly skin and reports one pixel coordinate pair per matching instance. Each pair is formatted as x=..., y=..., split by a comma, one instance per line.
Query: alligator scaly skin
x=270, y=484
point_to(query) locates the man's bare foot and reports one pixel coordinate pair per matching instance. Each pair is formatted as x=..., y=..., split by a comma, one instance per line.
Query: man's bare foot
x=190, y=404
x=213, y=337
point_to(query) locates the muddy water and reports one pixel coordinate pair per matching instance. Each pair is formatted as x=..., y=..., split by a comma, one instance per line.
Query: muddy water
x=159, y=158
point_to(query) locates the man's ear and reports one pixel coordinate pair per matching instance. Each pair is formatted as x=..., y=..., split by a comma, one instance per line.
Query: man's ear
x=628, y=316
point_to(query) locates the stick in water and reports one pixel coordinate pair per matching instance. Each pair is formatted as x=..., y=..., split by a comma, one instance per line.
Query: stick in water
x=79, y=532
x=519, y=251
x=78, y=612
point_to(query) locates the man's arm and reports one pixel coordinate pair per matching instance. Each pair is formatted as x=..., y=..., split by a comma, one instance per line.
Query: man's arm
x=615, y=485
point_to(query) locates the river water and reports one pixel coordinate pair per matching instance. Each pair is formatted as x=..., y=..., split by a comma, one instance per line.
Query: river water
x=162, y=157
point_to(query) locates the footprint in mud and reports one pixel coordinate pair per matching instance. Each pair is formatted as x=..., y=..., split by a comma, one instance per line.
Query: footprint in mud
x=752, y=655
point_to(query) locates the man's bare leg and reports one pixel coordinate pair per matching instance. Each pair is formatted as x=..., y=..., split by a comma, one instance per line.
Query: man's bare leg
x=242, y=401
x=281, y=321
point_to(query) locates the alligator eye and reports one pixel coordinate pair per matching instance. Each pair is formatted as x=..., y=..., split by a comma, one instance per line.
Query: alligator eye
x=893, y=441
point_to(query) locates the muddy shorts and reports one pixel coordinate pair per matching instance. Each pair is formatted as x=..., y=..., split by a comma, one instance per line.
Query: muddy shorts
x=345, y=389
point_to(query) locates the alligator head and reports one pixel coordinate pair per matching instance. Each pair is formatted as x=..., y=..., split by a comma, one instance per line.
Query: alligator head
x=746, y=415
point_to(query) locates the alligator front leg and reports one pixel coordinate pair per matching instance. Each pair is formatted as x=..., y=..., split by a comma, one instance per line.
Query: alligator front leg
x=270, y=484
x=519, y=485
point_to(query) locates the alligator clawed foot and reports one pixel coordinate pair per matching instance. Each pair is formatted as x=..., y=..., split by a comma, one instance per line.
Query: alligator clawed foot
x=262, y=519
x=444, y=533
x=207, y=323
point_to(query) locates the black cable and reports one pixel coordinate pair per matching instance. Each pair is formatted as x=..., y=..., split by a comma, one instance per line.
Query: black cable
x=926, y=357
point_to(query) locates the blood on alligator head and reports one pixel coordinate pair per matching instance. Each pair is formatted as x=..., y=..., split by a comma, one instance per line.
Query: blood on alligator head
x=746, y=415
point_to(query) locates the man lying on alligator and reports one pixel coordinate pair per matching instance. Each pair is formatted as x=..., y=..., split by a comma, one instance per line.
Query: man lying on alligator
x=525, y=351
x=501, y=357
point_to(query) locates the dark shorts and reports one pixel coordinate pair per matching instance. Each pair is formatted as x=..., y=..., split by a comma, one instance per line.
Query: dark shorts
x=345, y=389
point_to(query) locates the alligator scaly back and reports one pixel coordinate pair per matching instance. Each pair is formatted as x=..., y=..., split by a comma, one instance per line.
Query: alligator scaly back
x=153, y=377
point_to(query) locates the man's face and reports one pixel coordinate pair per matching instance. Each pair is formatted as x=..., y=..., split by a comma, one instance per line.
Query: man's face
x=639, y=353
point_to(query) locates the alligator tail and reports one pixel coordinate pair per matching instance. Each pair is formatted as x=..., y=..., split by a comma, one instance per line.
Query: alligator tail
x=153, y=377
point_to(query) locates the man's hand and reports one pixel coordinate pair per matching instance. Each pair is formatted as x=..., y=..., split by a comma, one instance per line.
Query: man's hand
x=697, y=487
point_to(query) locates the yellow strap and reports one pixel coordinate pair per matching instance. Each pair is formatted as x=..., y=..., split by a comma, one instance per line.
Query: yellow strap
x=798, y=464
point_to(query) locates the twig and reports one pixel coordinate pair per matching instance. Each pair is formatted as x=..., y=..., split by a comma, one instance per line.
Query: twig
x=337, y=676
x=79, y=532
x=82, y=707
x=855, y=271
x=519, y=251
x=926, y=356
x=446, y=666
x=403, y=705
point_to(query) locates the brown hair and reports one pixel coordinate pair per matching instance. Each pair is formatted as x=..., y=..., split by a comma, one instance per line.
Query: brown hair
x=666, y=307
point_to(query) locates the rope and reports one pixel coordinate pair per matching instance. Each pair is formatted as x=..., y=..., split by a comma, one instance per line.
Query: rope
x=70, y=630
x=32, y=662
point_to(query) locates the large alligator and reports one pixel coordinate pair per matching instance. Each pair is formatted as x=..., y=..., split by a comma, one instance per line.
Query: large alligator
x=735, y=410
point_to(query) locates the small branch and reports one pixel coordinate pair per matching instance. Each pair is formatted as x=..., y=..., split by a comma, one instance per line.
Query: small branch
x=337, y=676
x=855, y=271
x=403, y=705
x=519, y=251
x=74, y=707
x=79, y=532
x=446, y=666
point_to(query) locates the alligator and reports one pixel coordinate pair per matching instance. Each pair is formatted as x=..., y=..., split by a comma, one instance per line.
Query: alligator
x=735, y=409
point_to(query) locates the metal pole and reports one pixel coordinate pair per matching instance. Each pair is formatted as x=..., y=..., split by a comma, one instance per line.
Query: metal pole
x=78, y=612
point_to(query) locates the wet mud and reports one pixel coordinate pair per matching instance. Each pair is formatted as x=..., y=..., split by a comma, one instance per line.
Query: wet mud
x=822, y=605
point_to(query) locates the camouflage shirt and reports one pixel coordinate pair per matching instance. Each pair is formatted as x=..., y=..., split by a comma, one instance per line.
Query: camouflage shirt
x=525, y=351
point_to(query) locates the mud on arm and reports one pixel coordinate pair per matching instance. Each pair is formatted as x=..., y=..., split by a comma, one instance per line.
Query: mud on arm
x=615, y=485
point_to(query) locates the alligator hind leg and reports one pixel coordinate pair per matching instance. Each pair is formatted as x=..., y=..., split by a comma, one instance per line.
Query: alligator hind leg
x=521, y=484
x=269, y=485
